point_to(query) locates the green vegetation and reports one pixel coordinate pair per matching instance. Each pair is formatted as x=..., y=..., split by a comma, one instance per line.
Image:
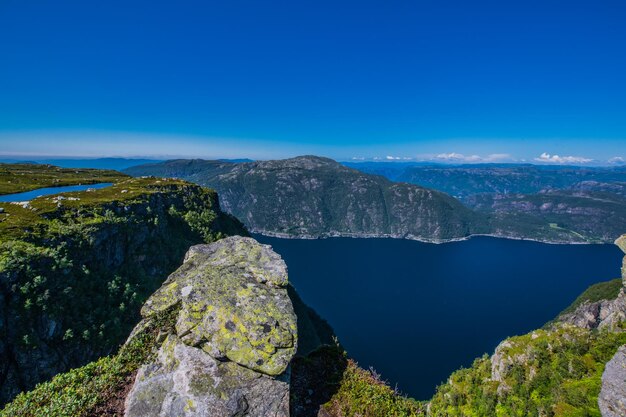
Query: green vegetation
x=97, y=388
x=554, y=373
x=363, y=393
x=75, y=269
x=608, y=290
x=17, y=178
x=326, y=379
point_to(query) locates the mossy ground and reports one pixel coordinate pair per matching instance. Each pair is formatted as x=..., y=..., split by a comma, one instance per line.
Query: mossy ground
x=364, y=393
x=83, y=207
x=17, y=178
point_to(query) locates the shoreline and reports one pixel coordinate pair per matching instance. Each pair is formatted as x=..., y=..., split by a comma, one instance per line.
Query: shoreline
x=279, y=235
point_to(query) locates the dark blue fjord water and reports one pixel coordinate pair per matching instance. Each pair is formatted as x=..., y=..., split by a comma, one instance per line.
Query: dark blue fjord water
x=417, y=311
x=29, y=195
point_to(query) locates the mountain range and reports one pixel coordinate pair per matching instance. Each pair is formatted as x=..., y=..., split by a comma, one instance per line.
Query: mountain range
x=311, y=197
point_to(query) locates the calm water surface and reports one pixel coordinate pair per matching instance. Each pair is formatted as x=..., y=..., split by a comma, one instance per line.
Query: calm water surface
x=417, y=311
x=29, y=195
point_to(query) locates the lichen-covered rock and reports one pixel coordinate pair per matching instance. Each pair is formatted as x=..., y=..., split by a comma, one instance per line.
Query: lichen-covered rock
x=184, y=381
x=234, y=304
x=612, y=399
x=234, y=337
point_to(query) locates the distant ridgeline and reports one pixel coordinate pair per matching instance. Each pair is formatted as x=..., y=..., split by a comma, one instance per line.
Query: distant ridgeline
x=317, y=197
x=520, y=198
x=75, y=268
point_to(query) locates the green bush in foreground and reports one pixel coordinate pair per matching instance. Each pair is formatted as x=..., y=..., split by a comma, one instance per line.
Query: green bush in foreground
x=362, y=393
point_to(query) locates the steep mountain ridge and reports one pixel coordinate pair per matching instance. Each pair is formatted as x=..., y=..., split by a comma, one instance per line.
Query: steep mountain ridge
x=311, y=196
x=589, y=211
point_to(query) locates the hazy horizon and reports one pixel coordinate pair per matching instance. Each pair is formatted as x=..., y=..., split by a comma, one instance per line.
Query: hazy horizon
x=8, y=158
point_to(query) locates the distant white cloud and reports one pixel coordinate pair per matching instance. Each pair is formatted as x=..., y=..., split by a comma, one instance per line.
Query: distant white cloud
x=556, y=159
x=616, y=160
x=398, y=158
x=459, y=157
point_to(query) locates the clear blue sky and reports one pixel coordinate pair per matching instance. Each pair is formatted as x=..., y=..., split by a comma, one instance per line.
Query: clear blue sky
x=263, y=79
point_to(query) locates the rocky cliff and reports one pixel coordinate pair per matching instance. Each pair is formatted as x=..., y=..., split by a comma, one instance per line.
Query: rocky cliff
x=75, y=269
x=311, y=196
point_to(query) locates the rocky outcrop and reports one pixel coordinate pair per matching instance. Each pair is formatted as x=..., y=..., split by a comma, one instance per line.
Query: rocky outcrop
x=601, y=314
x=612, y=399
x=234, y=337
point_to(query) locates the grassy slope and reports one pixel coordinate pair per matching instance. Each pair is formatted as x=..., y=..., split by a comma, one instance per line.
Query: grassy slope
x=17, y=178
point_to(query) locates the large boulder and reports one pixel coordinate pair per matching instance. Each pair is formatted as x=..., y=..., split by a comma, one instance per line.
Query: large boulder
x=234, y=337
x=603, y=314
x=186, y=381
x=612, y=399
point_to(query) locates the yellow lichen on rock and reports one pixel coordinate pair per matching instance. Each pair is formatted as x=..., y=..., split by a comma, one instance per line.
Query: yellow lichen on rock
x=234, y=304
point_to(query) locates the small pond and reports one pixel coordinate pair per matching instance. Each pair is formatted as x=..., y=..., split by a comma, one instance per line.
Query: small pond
x=30, y=195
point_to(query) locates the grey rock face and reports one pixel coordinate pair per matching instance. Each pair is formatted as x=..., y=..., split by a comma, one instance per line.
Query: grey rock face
x=612, y=399
x=185, y=381
x=606, y=314
x=234, y=338
x=602, y=314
